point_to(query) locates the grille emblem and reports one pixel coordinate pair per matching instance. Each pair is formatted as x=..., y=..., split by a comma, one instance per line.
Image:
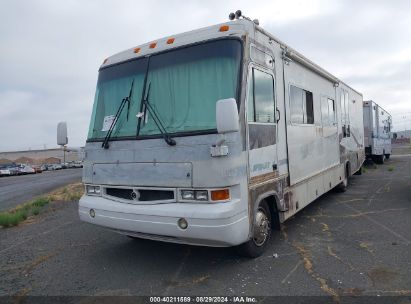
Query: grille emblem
x=135, y=195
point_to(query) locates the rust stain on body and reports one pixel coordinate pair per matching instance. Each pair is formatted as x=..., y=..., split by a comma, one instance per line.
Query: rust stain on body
x=263, y=178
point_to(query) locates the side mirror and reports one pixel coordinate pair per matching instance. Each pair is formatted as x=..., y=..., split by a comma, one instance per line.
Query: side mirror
x=62, y=139
x=227, y=116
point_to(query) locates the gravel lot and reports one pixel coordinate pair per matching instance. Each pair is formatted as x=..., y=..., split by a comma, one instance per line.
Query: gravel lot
x=15, y=190
x=352, y=243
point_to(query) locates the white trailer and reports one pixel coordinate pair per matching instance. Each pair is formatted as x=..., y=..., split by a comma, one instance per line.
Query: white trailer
x=377, y=132
x=216, y=136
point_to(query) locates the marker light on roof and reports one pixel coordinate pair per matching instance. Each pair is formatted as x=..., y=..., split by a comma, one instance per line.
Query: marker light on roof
x=170, y=41
x=153, y=45
x=224, y=28
x=136, y=50
x=105, y=60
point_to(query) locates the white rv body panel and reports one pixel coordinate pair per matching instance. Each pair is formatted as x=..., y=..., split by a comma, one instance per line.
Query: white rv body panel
x=279, y=156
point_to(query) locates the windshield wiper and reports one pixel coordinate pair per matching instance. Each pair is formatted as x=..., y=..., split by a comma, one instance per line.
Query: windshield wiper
x=170, y=141
x=125, y=100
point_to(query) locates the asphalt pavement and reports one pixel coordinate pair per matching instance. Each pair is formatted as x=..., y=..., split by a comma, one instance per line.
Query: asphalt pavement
x=15, y=190
x=343, y=244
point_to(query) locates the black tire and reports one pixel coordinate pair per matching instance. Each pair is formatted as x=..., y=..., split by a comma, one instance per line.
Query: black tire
x=387, y=156
x=359, y=172
x=262, y=231
x=379, y=159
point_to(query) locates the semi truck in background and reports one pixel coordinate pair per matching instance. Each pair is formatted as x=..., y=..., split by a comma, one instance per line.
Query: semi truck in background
x=216, y=136
x=377, y=132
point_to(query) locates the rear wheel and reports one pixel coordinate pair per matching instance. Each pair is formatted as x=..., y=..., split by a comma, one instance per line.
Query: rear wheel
x=261, y=233
x=379, y=159
x=387, y=156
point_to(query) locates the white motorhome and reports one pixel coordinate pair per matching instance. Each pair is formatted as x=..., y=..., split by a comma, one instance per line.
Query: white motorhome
x=216, y=136
x=377, y=132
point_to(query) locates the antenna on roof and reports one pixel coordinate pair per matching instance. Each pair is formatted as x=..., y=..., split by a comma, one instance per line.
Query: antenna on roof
x=238, y=14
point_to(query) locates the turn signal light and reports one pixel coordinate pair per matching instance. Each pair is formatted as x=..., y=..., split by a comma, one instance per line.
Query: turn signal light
x=220, y=195
x=224, y=28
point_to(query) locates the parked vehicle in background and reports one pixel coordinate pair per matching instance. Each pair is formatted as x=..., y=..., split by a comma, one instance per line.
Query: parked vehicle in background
x=26, y=169
x=218, y=164
x=44, y=167
x=78, y=164
x=14, y=169
x=4, y=171
x=50, y=167
x=37, y=169
x=377, y=132
x=57, y=166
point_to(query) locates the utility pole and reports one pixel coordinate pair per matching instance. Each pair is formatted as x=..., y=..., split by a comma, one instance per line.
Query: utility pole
x=62, y=138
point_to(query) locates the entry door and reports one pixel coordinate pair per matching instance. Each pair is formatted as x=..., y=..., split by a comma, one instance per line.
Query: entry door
x=330, y=132
x=262, y=125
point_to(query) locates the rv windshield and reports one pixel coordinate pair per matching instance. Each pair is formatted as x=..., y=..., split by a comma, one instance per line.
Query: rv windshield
x=185, y=86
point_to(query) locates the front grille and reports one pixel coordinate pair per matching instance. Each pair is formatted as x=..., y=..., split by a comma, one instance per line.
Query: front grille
x=120, y=193
x=155, y=195
x=142, y=195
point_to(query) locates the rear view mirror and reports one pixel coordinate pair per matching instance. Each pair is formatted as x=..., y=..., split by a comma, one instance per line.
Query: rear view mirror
x=227, y=116
x=62, y=139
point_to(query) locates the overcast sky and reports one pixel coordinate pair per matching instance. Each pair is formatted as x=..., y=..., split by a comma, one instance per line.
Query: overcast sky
x=50, y=52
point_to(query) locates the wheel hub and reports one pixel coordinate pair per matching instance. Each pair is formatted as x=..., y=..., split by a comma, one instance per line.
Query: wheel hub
x=262, y=228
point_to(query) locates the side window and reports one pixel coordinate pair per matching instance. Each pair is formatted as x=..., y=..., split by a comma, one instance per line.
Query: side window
x=309, y=107
x=296, y=105
x=347, y=113
x=327, y=111
x=261, y=97
x=345, y=118
x=301, y=106
x=324, y=111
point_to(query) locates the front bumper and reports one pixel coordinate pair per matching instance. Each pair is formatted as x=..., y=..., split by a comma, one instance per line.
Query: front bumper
x=219, y=225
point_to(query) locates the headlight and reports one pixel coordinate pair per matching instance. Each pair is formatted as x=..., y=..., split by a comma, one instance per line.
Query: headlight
x=93, y=190
x=201, y=195
x=187, y=194
x=194, y=195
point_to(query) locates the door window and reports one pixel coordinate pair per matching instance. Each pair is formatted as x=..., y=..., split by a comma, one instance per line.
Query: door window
x=261, y=97
x=261, y=105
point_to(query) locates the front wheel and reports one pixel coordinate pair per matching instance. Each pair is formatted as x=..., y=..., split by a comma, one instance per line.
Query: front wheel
x=261, y=233
x=387, y=156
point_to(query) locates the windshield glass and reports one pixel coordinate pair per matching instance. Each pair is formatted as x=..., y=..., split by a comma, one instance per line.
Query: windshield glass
x=185, y=86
